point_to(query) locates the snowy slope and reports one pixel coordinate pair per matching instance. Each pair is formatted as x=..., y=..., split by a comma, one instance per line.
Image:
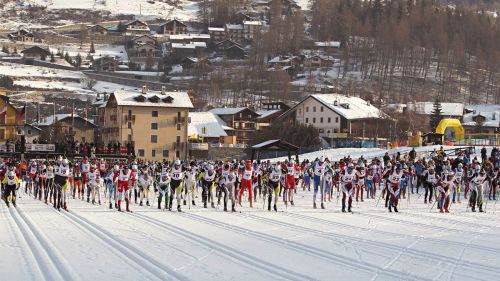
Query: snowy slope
x=298, y=243
x=185, y=11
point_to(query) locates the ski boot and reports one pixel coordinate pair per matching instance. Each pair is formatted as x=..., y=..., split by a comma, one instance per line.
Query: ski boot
x=192, y=203
x=343, y=208
x=390, y=209
x=225, y=207
x=314, y=205
x=205, y=204
x=65, y=206
x=147, y=203
x=179, y=208
x=212, y=204
x=396, y=209
x=93, y=202
x=14, y=204
x=110, y=205
x=275, y=208
x=291, y=203
x=88, y=200
x=233, y=209
x=322, y=206
x=349, y=209
x=140, y=203
x=185, y=203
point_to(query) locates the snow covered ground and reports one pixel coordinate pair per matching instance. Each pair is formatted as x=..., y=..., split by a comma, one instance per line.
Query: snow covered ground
x=299, y=243
x=186, y=9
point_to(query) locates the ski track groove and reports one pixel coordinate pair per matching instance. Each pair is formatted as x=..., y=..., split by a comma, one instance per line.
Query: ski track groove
x=238, y=256
x=138, y=265
x=40, y=247
x=25, y=254
x=360, y=228
x=449, y=218
x=159, y=270
x=422, y=225
x=301, y=248
x=382, y=245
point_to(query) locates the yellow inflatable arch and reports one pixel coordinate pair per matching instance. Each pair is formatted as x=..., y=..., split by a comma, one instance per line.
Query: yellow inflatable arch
x=451, y=123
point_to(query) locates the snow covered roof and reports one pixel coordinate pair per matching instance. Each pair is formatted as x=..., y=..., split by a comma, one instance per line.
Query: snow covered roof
x=49, y=120
x=189, y=36
x=227, y=111
x=216, y=29
x=264, y=113
x=234, y=26
x=490, y=113
x=206, y=124
x=282, y=59
x=255, y=22
x=349, y=107
x=333, y=44
x=448, y=109
x=153, y=99
x=191, y=45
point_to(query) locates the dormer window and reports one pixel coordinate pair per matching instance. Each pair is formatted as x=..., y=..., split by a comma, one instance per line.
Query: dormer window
x=154, y=99
x=168, y=99
x=140, y=98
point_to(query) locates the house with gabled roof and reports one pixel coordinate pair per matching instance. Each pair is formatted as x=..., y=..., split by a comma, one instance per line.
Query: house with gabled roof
x=22, y=35
x=242, y=119
x=340, y=116
x=174, y=26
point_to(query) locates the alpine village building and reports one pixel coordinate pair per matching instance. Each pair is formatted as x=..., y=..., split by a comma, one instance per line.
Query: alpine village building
x=154, y=123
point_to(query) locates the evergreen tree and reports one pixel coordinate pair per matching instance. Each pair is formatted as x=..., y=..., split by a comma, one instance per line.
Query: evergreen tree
x=436, y=114
x=92, y=48
x=67, y=58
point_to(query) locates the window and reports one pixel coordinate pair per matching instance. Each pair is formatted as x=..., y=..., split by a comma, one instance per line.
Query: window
x=154, y=138
x=129, y=112
x=300, y=111
x=178, y=139
x=322, y=109
x=329, y=119
x=321, y=120
x=177, y=154
x=154, y=113
x=307, y=108
x=307, y=120
x=165, y=153
x=178, y=115
x=153, y=153
x=314, y=108
x=141, y=152
x=129, y=138
x=314, y=120
x=154, y=126
x=336, y=119
x=129, y=125
x=178, y=127
x=29, y=131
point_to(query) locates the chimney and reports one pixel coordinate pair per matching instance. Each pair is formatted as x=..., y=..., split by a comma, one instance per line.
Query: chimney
x=163, y=90
x=144, y=89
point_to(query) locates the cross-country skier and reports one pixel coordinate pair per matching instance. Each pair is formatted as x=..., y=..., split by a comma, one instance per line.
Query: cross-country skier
x=11, y=184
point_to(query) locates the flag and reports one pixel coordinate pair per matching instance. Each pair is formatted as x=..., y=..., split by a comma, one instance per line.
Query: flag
x=20, y=115
x=4, y=111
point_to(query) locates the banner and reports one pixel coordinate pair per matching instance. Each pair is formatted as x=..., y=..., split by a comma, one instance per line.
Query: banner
x=40, y=147
x=7, y=148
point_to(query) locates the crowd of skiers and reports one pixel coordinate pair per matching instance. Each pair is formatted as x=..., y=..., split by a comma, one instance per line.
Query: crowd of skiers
x=440, y=179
